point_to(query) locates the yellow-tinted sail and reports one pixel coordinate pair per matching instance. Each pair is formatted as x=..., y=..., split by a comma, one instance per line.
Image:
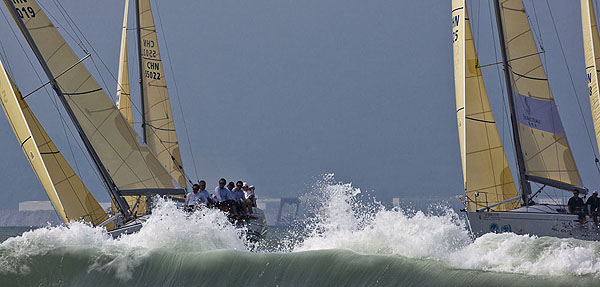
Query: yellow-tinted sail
x=485, y=168
x=123, y=90
x=544, y=143
x=129, y=164
x=159, y=125
x=591, y=46
x=124, y=102
x=70, y=197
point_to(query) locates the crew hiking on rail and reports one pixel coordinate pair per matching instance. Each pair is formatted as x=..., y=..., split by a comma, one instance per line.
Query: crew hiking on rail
x=237, y=200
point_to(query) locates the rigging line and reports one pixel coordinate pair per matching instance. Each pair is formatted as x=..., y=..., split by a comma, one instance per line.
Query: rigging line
x=506, y=116
x=58, y=76
x=572, y=84
x=55, y=20
x=52, y=99
x=513, y=59
x=77, y=30
x=177, y=93
x=5, y=59
x=92, y=47
x=537, y=23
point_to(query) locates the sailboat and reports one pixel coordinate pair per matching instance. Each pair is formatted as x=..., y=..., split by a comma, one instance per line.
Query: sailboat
x=132, y=171
x=492, y=201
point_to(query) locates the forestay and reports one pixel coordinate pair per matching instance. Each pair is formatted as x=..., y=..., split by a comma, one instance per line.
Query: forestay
x=159, y=125
x=591, y=46
x=66, y=191
x=546, y=151
x=130, y=165
x=485, y=168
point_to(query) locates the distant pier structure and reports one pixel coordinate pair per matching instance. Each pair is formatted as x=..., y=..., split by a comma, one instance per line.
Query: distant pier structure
x=294, y=202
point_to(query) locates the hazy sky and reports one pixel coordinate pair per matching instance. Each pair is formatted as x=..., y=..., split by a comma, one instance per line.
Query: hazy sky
x=277, y=93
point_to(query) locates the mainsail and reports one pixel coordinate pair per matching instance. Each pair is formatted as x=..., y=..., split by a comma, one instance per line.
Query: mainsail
x=159, y=127
x=487, y=176
x=123, y=90
x=591, y=46
x=70, y=197
x=130, y=165
x=546, y=152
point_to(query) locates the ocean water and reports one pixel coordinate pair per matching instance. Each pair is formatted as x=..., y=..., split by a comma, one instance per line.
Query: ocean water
x=351, y=240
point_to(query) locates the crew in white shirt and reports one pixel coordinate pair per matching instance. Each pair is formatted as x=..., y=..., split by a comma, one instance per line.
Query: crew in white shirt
x=198, y=196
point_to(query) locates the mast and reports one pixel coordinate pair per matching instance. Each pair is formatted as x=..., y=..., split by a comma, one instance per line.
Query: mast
x=141, y=68
x=106, y=179
x=525, y=188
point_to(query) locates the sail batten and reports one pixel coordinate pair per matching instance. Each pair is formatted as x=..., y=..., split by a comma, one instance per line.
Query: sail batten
x=159, y=126
x=544, y=146
x=487, y=177
x=67, y=193
x=129, y=164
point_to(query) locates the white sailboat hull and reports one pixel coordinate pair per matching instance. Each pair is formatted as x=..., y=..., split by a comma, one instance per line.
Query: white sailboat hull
x=543, y=220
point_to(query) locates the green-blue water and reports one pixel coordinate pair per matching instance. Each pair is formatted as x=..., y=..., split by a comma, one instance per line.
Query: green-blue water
x=346, y=243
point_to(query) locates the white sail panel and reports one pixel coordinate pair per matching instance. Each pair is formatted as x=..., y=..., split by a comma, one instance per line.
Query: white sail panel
x=70, y=197
x=487, y=176
x=123, y=90
x=591, y=47
x=546, y=151
x=159, y=125
x=130, y=165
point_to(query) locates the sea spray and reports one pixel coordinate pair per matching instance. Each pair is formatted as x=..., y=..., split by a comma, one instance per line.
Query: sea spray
x=168, y=228
x=350, y=239
x=439, y=235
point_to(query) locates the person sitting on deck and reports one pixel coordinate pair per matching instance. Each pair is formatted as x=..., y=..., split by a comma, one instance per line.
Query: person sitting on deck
x=576, y=206
x=247, y=202
x=249, y=195
x=592, y=205
x=198, y=196
x=237, y=195
x=223, y=197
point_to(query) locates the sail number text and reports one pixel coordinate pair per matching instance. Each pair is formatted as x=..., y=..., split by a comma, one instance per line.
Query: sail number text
x=151, y=68
x=25, y=12
x=455, y=20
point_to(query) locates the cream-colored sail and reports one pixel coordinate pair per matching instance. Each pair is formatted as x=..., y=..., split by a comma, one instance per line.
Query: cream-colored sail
x=123, y=90
x=130, y=165
x=487, y=176
x=591, y=46
x=68, y=194
x=544, y=143
x=160, y=128
x=124, y=101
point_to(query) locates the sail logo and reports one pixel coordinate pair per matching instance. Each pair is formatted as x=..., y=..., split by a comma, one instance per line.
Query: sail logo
x=538, y=114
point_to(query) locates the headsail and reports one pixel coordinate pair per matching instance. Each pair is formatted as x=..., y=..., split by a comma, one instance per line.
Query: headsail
x=124, y=101
x=485, y=168
x=130, y=165
x=546, y=152
x=158, y=119
x=70, y=197
x=123, y=90
x=591, y=46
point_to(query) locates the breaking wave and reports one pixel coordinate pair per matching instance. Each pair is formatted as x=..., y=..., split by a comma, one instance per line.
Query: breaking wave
x=351, y=239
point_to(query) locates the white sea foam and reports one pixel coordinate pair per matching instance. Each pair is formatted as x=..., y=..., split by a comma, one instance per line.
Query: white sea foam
x=168, y=228
x=341, y=223
x=346, y=219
